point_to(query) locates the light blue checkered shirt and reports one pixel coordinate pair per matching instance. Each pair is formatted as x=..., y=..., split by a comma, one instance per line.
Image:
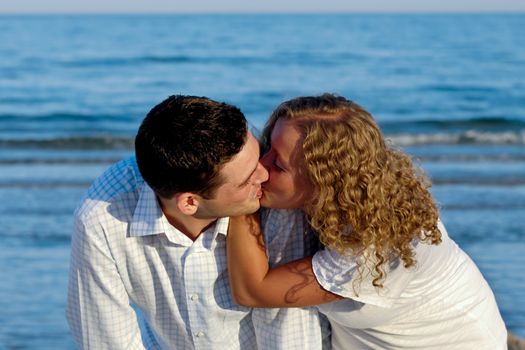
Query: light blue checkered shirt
x=137, y=282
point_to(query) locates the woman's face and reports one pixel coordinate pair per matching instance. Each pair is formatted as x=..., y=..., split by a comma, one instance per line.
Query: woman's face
x=287, y=186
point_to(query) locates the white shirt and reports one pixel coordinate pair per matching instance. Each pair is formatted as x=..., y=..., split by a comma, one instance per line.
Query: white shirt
x=126, y=256
x=442, y=303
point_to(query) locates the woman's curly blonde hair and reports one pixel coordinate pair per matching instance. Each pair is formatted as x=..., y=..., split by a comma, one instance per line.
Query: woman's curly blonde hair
x=368, y=198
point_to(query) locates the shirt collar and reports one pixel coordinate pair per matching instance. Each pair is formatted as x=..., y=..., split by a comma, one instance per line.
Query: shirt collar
x=221, y=226
x=148, y=216
x=148, y=219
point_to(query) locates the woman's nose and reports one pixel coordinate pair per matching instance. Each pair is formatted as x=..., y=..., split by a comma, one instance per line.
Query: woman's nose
x=265, y=160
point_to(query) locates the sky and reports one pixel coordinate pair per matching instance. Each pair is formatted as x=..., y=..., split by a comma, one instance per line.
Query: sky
x=257, y=6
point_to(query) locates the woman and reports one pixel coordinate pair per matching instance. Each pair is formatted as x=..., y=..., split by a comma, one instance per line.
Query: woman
x=389, y=276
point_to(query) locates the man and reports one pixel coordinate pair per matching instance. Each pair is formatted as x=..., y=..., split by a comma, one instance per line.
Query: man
x=148, y=261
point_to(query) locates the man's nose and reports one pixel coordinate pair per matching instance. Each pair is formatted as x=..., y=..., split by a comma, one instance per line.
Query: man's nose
x=265, y=161
x=262, y=173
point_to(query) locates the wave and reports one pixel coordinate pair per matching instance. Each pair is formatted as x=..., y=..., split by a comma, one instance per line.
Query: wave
x=108, y=159
x=165, y=59
x=63, y=161
x=45, y=184
x=112, y=142
x=500, y=181
x=122, y=61
x=9, y=118
x=493, y=182
x=502, y=157
x=484, y=123
x=305, y=58
x=459, y=138
x=73, y=143
x=458, y=88
x=481, y=206
x=8, y=121
x=41, y=240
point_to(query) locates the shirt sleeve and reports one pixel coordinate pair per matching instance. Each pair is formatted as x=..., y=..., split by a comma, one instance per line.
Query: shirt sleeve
x=289, y=328
x=340, y=274
x=98, y=309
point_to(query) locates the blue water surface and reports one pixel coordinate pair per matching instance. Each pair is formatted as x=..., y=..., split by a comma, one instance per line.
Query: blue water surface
x=449, y=89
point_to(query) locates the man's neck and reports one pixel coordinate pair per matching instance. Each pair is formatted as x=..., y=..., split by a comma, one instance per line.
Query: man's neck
x=191, y=226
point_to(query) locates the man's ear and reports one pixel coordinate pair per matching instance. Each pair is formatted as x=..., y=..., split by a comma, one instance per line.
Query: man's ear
x=187, y=202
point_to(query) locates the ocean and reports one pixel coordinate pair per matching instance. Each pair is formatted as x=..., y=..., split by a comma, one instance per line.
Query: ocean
x=449, y=89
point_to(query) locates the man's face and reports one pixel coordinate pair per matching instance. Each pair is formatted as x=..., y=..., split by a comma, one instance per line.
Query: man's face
x=241, y=191
x=287, y=186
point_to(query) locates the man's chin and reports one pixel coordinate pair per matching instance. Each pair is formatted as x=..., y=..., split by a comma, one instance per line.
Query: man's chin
x=252, y=208
x=265, y=202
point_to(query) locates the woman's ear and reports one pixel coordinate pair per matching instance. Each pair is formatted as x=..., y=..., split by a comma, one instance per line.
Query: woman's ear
x=187, y=202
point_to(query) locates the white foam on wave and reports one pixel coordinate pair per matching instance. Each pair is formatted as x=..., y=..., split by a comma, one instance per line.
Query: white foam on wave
x=467, y=137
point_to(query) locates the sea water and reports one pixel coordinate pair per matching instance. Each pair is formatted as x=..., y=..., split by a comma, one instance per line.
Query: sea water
x=449, y=89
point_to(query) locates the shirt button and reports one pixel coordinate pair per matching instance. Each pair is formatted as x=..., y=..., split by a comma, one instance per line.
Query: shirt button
x=199, y=334
x=194, y=297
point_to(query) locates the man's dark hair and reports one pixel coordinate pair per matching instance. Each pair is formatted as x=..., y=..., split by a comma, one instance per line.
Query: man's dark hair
x=184, y=141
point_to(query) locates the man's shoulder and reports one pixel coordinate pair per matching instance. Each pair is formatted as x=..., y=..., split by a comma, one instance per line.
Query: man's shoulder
x=120, y=183
x=272, y=218
x=288, y=235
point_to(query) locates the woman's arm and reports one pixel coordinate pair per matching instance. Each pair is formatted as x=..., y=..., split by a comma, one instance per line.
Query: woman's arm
x=254, y=284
